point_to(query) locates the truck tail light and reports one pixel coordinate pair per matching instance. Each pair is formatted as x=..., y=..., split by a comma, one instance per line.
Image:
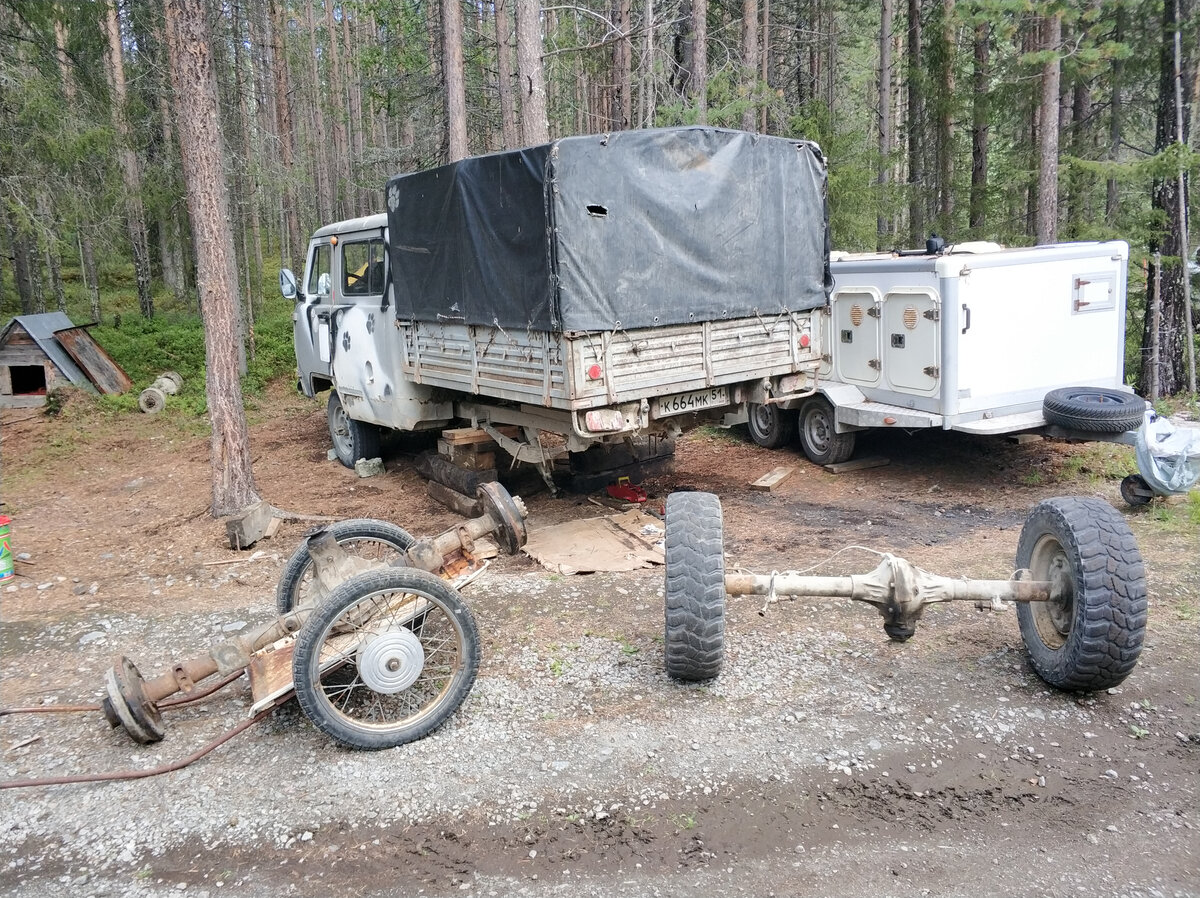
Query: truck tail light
x=604, y=420
x=595, y=372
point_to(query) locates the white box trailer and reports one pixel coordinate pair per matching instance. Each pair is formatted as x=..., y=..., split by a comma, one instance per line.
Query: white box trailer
x=972, y=339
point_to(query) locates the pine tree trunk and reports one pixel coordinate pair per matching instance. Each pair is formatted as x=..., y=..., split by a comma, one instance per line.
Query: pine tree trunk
x=977, y=211
x=1165, y=200
x=699, y=79
x=1047, y=194
x=454, y=88
x=337, y=109
x=321, y=169
x=21, y=262
x=886, y=13
x=294, y=254
x=623, y=66
x=1112, y=195
x=750, y=60
x=535, y=126
x=196, y=105
x=91, y=278
x=916, y=121
x=504, y=72
x=131, y=171
x=945, y=118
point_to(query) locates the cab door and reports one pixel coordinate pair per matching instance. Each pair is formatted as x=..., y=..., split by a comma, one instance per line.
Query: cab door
x=311, y=322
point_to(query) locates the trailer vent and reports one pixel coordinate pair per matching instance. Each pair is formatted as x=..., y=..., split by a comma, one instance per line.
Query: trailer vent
x=910, y=317
x=856, y=314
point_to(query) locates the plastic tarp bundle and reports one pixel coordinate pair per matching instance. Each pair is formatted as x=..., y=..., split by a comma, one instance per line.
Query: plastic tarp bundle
x=1168, y=456
x=614, y=231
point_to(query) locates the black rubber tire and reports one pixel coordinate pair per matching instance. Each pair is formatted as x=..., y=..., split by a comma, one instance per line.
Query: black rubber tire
x=1094, y=409
x=362, y=717
x=694, y=595
x=1090, y=637
x=352, y=439
x=820, y=441
x=770, y=426
x=1135, y=490
x=358, y=536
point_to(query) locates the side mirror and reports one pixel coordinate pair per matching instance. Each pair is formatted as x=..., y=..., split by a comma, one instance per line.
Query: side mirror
x=287, y=283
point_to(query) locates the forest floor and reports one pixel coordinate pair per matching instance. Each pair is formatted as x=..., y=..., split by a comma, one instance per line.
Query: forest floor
x=825, y=760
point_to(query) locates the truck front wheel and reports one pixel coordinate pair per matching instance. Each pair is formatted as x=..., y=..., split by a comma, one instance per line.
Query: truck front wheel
x=819, y=437
x=352, y=439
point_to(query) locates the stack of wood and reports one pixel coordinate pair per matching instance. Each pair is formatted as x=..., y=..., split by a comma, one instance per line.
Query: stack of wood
x=466, y=458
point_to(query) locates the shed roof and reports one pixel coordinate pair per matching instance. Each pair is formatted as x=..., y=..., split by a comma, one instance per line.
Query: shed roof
x=42, y=329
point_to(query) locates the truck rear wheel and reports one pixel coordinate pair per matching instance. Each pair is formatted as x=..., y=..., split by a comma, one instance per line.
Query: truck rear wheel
x=352, y=439
x=771, y=426
x=695, y=586
x=818, y=434
x=1089, y=634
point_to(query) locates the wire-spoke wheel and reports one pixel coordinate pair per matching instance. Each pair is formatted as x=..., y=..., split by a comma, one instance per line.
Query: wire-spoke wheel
x=386, y=658
x=361, y=537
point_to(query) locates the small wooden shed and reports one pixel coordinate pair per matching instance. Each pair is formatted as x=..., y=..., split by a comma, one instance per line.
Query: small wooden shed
x=41, y=352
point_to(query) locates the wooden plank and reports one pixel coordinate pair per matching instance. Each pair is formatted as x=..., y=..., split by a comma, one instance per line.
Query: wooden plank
x=858, y=464
x=90, y=356
x=459, y=436
x=772, y=479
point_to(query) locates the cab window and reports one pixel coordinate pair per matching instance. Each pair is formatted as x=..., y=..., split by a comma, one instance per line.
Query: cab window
x=317, y=267
x=362, y=268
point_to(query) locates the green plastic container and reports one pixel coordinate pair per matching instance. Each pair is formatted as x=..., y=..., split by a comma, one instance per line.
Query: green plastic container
x=6, y=557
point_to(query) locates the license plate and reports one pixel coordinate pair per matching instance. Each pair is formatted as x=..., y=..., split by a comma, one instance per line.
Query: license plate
x=696, y=400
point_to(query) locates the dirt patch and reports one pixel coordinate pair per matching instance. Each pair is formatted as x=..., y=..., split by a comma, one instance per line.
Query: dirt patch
x=824, y=760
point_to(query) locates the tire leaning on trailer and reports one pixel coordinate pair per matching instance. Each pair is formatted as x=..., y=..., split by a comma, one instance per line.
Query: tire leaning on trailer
x=770, y=426
x=694, y=594
x=1089, y=635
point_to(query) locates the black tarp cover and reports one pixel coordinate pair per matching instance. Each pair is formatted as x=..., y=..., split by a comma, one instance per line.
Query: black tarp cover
x=613, y=231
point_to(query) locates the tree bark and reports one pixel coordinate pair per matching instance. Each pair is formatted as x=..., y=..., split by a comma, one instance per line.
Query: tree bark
x=980, y=120
x=504, y=72
x=131, y=171
x=945, y=118
x=916, y=121
x=341, y=147
x=882, y=222
x=454, y=89
x=321, y=168
x=21, y=261
x=1112, y=195
x=535, y=126
x=699, y=79
x=749, y=77
x=199, y=122
x=623, y=66
x=293, y=256
x=91, y=278
x=1166, y=201
x=1047, y=195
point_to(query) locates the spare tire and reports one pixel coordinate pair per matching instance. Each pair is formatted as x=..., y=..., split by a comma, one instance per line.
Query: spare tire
x=1095, y=409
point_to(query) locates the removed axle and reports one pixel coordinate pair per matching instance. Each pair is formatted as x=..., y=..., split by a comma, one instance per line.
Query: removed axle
x=378, y=650
x=1080, y=590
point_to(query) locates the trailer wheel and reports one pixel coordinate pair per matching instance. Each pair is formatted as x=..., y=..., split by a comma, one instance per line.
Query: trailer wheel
x=1089, y=634
x=1135, y=490
x=818, y=435
x=386, y=659
x=695, y=586
x=1094, y=409
x=352, y=439
x=362, y=537
x=771, y=426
